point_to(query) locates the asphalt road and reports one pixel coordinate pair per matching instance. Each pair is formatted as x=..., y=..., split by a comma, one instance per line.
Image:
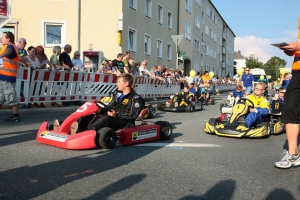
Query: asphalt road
x=191, y=165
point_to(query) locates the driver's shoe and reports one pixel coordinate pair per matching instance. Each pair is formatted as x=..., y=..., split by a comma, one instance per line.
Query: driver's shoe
x=242, y=127
x=74, y=128
x=56, y=125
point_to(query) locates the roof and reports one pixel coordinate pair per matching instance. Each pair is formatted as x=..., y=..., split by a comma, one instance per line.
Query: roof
x=237, y=55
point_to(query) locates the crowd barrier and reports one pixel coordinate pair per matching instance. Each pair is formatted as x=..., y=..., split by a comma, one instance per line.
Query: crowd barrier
x=37, y=86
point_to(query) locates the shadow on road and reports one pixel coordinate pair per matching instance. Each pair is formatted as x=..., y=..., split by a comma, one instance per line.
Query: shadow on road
x=279, y=194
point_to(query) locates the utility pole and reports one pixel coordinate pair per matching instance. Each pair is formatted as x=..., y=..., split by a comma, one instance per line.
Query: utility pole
x=177, y=39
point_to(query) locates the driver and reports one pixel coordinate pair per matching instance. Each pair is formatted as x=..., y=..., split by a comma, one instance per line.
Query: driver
x=186, y=96
x=125, y=106
x=261, y=105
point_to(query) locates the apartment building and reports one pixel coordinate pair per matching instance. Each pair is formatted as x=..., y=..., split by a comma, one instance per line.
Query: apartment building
x=102, y=29
x=208, y=40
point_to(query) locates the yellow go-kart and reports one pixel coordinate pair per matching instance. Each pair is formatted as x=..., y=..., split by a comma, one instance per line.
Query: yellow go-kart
x=234, y=126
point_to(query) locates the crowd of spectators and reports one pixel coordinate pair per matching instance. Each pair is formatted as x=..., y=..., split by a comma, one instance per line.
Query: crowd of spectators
x=35, y=58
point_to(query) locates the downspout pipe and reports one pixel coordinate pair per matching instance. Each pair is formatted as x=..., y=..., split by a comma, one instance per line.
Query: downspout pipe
x=79, y=25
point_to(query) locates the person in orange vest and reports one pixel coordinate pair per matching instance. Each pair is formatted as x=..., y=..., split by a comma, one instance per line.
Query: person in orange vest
x=205, y=78
x=8, y=74
x=291, y=110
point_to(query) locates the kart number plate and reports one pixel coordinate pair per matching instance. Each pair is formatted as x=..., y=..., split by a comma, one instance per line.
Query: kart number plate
x=140, y=135
x=54, y=136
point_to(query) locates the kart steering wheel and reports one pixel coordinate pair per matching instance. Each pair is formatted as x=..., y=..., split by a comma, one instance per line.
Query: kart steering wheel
x=245, y=100
x=103, y=105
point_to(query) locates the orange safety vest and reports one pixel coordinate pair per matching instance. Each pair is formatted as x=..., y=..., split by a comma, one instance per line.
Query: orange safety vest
x=296, y=63
x=10, y=66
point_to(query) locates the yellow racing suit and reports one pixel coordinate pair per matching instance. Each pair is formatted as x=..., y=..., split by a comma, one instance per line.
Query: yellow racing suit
x=261, y=106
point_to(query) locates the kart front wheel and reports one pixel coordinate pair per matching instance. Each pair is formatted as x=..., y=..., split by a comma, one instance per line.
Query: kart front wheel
x=190, y=108
x=165, y=130
x=106, y=138
x=221, y=106
x=152, y=112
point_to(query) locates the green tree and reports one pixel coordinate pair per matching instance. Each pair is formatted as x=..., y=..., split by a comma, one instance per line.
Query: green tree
x=252, y=62
x=272, y=67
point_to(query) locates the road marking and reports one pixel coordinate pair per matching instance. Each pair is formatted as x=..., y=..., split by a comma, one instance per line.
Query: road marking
x=177, y=145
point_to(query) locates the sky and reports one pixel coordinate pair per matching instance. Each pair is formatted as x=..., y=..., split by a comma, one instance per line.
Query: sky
x=259, y=23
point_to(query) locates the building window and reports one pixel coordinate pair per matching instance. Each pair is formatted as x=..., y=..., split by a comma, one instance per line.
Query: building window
x=187, y=29
x=148, y=8
x=54, y=33
x=188, y=5
x=159, y=49
x=198, y=2
x=202, y=17
x=160, y=14
x=197, y=45
x=197, y=21
x=132, y=39
x=196, y=66
x=132, y=4
x=170, y=20
x=202, y=34
x=169, y=52
x=147, y=41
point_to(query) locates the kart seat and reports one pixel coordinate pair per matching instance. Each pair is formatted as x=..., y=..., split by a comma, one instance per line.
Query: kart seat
x=130, y=124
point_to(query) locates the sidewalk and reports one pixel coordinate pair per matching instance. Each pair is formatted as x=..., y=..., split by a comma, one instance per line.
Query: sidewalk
x=6, y=111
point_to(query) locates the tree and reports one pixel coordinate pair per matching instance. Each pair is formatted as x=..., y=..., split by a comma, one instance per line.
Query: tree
x=252, y=62
x=272, y=66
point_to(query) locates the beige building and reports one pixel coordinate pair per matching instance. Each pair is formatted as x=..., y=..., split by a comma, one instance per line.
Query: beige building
x=102, y=29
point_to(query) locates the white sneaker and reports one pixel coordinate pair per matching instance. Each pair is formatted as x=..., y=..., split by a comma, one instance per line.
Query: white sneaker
x=288, y=160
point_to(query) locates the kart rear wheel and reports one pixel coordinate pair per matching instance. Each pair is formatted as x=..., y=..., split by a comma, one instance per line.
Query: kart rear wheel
x=106, y=138
x=201, y=105
x=165, y=130
x=50, y=127
x=212, y=102
x=267, y=125
x=221, y=106
x=160, y=106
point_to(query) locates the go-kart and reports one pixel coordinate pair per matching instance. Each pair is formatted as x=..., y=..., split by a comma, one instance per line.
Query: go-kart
x=234, y=126
x=106, y=137
x=174, y=105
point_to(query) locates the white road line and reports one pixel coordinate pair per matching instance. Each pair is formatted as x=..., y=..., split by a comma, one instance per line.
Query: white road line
x=177, y=145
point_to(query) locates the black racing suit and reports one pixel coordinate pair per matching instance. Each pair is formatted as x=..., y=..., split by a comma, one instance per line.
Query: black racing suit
x=127, y=109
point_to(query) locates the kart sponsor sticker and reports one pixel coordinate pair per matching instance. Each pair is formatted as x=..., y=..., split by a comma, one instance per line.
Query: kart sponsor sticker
x=140, y=135
x=54, y=136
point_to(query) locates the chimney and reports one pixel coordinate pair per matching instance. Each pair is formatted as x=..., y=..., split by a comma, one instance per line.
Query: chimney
x=239, y=52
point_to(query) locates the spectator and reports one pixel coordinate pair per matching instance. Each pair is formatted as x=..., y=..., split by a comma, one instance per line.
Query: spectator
x=132, y=66
x=158, y=71
x=126, y=58
x=286, y=81
x=143, y=70
x=247, y=81
x=31, y=60
x=119, y=65
x=54, y=59
x=65, y=59
x=43, y=59
x=8, y=74
x=22, y=51
x=77, y=62
x=291, y=113
x=136, y=69
x=55, y=62
x=206, y=79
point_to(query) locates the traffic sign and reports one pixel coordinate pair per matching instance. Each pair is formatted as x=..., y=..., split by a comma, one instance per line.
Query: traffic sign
x=177, y=39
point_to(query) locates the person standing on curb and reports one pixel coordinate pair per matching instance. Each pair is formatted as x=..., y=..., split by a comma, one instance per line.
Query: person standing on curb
x=247, y=82
x=291, y=109
x=8, y=74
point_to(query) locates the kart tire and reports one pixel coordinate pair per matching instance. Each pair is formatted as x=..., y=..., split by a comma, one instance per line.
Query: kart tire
x=201, y=105
x=190, y=108
x=165, y=130
x=221, y=106
x=151, y=112
x=50, y=126
x=267, y=125
x=106, y=138
x=160, y=106
x=212, y=102
x=214, y=121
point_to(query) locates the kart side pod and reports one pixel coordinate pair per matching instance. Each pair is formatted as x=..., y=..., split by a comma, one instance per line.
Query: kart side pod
x=139, y=134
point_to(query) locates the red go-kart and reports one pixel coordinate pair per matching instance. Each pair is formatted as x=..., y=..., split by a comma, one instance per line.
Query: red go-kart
x=106, y=137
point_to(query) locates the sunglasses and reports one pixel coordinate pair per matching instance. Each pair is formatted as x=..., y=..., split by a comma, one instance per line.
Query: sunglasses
x=78, y=55
x=246, y=70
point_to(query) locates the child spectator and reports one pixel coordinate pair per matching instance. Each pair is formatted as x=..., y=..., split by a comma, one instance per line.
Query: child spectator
x=192, y=88
x=237, y=92
x=277, y=101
